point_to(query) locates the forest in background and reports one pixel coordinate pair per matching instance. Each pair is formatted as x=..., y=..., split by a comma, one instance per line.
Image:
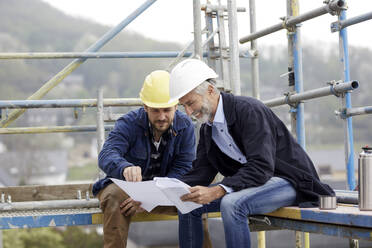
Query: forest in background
x=42, y=28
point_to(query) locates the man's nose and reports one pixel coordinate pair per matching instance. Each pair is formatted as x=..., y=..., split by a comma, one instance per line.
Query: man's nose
x=162, y=116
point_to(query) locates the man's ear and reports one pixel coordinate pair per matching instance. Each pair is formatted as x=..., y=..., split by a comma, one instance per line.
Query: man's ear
x=145, y=107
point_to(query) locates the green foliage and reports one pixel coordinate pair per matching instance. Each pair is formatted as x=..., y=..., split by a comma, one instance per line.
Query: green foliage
x=32, y=238
x=76, y=237
x=32, y=25
x=87, y=172
x=12, y=238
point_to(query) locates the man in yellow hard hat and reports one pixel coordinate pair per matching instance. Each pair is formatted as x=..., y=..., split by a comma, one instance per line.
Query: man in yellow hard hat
x=155, y=140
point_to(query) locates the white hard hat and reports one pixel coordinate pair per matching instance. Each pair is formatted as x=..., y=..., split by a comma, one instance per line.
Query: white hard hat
x=186, y=76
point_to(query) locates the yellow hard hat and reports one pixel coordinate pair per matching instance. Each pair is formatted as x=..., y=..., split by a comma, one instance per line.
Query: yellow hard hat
x=155, y=90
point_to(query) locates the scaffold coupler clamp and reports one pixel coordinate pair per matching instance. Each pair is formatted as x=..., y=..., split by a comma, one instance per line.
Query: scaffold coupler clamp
x=287, y=99
x=335, y=7
x=342, y=113
x=335, y=26
x=332, y=85
x=291, y=28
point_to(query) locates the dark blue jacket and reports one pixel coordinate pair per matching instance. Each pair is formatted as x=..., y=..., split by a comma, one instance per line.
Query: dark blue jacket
x=268, y=146
x=129, y=144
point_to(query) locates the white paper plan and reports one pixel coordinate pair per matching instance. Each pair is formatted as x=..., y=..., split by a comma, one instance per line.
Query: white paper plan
x=162, y=191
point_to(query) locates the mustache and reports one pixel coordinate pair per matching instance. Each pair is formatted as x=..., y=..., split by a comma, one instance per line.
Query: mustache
x=161, y=122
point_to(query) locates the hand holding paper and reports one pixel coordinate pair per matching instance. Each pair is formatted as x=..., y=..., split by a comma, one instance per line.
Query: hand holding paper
x=162, y=191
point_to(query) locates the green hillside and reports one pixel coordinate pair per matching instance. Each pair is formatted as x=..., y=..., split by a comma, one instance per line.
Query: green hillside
x=34, y=26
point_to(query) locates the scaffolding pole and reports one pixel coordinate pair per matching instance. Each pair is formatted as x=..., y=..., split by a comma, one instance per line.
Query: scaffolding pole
x=358, y=111
x=211, y=48
x=51, y=204
x=100, y=128
x=76, y=63
x=234, y=67
x=332, y=8
x=254, y=58
x=94, y=55
x=69, y=103
x=224, y=63
x=198, y=50
x=337, y=26
x=294, y=43
x=335, y=89
x=100, y=123
x=346, y=103
x=295, y=38
x=55, y=129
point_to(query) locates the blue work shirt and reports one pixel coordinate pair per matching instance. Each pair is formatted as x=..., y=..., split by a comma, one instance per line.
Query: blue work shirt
x=224, y=141
x=222, y=137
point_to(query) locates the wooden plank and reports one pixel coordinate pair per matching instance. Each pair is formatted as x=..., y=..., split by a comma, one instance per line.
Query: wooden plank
x=343, y=215
x=46, y=192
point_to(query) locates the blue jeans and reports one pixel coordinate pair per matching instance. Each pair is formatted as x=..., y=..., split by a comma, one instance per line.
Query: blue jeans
x=235, y=208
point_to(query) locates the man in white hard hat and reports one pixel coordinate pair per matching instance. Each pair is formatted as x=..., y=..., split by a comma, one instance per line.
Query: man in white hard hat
x=154, y=140
x=264, y=168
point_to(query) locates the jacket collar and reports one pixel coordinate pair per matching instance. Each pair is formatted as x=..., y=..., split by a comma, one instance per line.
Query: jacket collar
x=228, y=108
x=143, y=120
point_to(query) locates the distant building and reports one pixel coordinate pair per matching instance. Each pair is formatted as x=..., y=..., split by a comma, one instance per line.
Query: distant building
x=33, y=167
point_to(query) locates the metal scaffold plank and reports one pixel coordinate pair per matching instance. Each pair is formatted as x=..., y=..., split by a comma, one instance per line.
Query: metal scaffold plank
x=51, y=218
x=343, y=215
x=322, y=228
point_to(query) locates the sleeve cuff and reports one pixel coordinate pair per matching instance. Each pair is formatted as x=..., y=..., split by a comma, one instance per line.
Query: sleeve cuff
x=227, y=189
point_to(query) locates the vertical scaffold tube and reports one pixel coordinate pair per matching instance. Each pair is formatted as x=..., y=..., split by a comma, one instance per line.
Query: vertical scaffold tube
x=297, y=67
x=346, y=103
x=198, y=49
x=254, y=60
x=100, y=127
x=224, y=63
x=295, y=70
x=211, y=48
x=255, y=86
x=234, y=50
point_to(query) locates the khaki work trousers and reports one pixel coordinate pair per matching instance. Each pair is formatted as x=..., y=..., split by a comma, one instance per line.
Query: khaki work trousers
x=116, y=225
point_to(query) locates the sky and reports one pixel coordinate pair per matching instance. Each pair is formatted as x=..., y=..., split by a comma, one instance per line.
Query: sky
x=172, y=20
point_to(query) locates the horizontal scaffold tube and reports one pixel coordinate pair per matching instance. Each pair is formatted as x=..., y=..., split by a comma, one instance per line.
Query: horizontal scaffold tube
x=93, y=55
x=333, y=6
x=55, y=129
x=69, y=103
x=347, y=196
x=48, y=205
x=358, y=111
x=325, y=91
x=337, y=26
x=211, y=7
